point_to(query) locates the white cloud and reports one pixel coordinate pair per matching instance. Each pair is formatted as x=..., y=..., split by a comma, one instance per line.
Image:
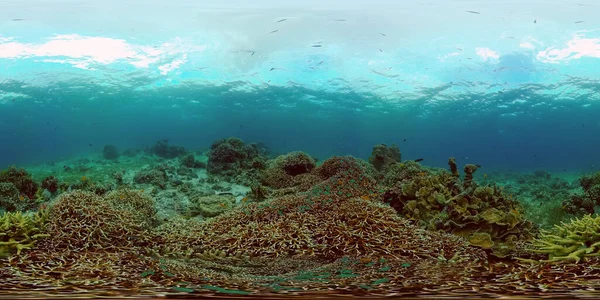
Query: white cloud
x=486, y=53
x=576, y=48
x=526, y=45
x=86, y=51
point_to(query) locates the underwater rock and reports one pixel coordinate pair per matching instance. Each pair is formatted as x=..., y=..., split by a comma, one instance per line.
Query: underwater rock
x=164, y=150
x=110, y=152
x=210, y=206
x=155, y=176
x=383, y=156
x=130, y=152
x=190, y=162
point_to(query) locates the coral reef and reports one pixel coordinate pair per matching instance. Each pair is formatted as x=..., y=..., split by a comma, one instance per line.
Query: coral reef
x=155, y=176
x=21, y=179
x=289, y=170
x=83, y=221
x=20, y=231
x=440, y=201
x=366, y=228
x=586, y=201
x=405, y=171
x=210, y=206
x=383, y=156
x=110, y=152
x=9, y=196
x=139, y=204
x=164, y=150
x=235, y=161
x=258, y=192
x=12, y=200
x=573, y=241
x=51, y=184
x=190, y=161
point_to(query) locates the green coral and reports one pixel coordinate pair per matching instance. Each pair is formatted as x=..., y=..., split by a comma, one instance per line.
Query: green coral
x=19, y=231
x=576, y=240
x=441, y=201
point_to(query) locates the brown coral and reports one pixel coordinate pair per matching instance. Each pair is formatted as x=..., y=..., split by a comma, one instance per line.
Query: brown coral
x=440, y=201
x=81, y=220
x=383, y=156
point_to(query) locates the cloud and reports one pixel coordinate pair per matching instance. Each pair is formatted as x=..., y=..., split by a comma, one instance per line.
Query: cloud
x=86, y=51
x=486, y=53
x=526, y=45
x=576, y=48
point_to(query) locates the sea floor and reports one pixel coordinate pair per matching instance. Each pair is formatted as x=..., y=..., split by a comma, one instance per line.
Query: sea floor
x=421, y=264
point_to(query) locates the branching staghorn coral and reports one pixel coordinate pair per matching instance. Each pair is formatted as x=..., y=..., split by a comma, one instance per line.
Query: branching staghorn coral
x=576, y=240
x=20, y=231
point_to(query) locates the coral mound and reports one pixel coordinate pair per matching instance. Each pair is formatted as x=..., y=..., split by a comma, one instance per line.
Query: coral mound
x=383, y=156
x=81, y=220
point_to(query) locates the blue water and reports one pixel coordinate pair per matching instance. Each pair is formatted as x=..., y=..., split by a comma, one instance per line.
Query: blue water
x=495, y=95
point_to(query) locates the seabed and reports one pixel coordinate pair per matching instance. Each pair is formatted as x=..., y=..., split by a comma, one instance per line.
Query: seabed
x=235, y=222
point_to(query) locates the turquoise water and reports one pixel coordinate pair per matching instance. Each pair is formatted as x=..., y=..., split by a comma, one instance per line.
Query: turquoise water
x=493, y=87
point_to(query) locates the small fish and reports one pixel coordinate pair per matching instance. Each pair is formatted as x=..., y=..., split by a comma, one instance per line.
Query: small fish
x=252, y=53
x=479, y=166
x=382, y=33
x=541, y=203
x=473, y=12
x=317, y=46
x=418, y=159
x=281, y=20
x=404, y=140
x=577, y=22
x=17, y=20
x=274, y=31
x=271, y=69
x=534, y=21
x=83, y=178
x=244, y=199
x=90, y=144
x=339, y=20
